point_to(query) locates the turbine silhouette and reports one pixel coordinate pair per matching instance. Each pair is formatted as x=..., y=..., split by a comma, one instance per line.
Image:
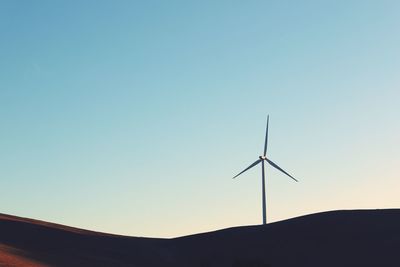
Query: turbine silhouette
x=262, y=159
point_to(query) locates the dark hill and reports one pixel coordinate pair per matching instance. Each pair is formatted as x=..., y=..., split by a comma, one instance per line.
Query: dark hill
x=336, y=238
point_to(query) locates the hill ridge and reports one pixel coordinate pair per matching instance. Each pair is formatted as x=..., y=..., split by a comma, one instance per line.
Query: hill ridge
x=331, y=238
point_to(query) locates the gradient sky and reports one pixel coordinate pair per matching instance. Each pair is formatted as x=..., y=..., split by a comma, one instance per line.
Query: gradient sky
x=131, y=117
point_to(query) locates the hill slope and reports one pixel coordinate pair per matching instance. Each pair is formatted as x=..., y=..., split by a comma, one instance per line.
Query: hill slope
x=336, y=238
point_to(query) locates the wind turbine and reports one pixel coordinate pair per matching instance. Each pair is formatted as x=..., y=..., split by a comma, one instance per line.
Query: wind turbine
x=262, y=159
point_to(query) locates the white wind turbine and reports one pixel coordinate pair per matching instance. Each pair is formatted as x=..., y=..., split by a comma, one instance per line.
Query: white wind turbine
x=262, y=159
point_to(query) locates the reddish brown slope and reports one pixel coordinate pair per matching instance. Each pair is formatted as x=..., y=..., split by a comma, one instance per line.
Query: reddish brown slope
x=13, y=257
x=41, y=243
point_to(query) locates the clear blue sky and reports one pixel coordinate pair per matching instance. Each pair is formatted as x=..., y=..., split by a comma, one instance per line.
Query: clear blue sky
x=131, y=117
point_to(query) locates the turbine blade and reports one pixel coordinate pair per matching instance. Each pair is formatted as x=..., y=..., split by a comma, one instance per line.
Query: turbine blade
x=266, y=138
x=279, y=168
x=251, y=166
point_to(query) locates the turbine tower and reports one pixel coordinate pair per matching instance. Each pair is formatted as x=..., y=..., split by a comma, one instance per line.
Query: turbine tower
x=262, y=159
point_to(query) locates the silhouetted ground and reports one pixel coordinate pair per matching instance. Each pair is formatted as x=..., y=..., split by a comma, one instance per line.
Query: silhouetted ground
x=336, y=238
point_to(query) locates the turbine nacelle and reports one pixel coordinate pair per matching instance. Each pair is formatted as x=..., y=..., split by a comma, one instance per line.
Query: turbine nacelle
x=262, y=157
